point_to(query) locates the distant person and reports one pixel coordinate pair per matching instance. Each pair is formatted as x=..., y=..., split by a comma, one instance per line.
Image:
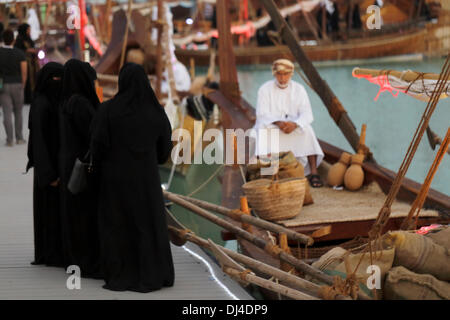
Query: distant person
x=131, y=136
x=78, y=212
x=26, y=44
x=13, y=71
x=283, y=105
x=43, y=146
x=356, y=23
x=331, y=17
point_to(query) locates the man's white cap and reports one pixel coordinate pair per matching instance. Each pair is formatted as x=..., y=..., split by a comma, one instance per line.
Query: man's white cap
x=282, y=65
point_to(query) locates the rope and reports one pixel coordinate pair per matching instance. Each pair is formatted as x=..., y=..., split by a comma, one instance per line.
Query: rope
x=421, y=197
x=273, y=249
x=385, y=211
x=200, y=187
x=244, y=274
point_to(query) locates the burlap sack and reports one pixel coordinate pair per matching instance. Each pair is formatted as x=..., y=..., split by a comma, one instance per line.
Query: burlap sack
x=402, y=283
x=441, y=237
x=419, y=254
x=333, y=263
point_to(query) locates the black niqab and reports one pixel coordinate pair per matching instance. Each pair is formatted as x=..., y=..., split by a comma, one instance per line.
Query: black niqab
x=43, y=147
x=51, y=89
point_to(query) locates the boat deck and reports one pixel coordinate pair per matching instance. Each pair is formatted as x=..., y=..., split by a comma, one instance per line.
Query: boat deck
x=20, y=280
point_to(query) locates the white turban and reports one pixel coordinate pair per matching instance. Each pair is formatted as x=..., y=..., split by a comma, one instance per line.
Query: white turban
x=282, y=65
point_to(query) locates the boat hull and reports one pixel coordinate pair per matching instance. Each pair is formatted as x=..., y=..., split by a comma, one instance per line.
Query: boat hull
x=411, y=42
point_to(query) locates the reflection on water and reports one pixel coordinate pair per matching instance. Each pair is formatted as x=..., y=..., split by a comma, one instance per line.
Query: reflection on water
x=391, y=123
x=196, y=176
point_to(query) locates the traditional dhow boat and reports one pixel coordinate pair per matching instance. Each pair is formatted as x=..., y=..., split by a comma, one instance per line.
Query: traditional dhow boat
x=344, y=218
x=405, y=30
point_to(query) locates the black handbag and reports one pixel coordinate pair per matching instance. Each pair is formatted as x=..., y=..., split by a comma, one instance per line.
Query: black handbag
x=78, y=181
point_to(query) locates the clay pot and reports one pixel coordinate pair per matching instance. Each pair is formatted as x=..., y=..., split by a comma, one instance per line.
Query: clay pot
x=337, y=170
x=354, y=176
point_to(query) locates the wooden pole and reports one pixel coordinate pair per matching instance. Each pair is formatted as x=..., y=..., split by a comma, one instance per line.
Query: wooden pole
x=159, y=52
x=44, y=29
x=108, y=20
x=125, y=36
x=258, y=241
x=334, y=106
x=260, y=267
x=267, y=284
x=244, y=218
x=19, y=12
x=229, y=85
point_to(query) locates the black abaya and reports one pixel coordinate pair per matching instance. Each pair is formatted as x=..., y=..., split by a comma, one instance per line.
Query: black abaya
x=43, y=145
x=78, y=212
x=131, y=135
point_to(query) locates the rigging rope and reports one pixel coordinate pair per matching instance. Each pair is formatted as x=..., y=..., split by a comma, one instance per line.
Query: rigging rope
x=385, y=211
x=421, y=197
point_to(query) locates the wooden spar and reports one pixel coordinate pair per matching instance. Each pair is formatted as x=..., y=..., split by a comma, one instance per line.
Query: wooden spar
x=242, y=217
x=125, y=36
x=241, y=274
x=258, y=241
x=228, y=75
x=159, y=53
x=96, y=23
x=334, y=106
x=108, y=20
x=312, y=24
x=47, y=14
x=19, y=11
x=260, y=267
x=421, y=196
x=212, y=65
x=407, y=76
x=267, y=284
x=169, y=66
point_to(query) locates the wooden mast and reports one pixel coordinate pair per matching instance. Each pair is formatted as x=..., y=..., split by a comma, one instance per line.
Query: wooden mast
x=125, y=36
x=229, y=85
x=334, y=106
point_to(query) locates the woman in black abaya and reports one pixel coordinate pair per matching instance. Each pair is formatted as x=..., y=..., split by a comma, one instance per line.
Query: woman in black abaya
x=131, y=136
x=78, y=212
x=43, y=145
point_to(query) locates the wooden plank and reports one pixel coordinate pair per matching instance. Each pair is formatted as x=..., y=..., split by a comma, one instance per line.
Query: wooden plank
x=21, y=280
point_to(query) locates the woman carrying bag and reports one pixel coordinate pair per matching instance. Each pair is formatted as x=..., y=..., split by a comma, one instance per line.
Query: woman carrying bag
x=131, y=136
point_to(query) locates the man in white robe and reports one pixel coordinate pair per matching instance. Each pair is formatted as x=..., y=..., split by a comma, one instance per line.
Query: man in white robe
x=283, y=113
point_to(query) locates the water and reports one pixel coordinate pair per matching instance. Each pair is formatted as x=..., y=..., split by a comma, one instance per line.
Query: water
x=391, y=123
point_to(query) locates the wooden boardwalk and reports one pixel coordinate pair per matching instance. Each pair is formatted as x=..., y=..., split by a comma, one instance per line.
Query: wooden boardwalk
x=197, y=277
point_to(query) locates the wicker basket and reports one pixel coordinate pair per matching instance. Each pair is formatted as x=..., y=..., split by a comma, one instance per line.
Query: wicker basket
x=276, y=200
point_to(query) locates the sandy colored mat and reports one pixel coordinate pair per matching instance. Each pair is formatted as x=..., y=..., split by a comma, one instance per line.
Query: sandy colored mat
x=341, y=206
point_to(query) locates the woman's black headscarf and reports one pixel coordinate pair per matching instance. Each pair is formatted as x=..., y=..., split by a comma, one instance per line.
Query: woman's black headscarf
x=135, y=91
x=79, y=79
x=23, y=37
x=136, y=101
x=45, y=84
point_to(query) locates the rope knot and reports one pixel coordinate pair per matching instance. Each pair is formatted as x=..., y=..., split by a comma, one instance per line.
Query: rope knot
x=273, y=249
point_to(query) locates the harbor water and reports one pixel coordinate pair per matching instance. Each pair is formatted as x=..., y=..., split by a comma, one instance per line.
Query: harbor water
x=391, y=123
